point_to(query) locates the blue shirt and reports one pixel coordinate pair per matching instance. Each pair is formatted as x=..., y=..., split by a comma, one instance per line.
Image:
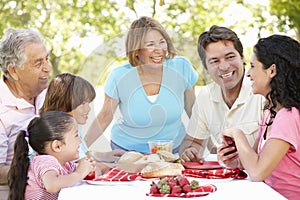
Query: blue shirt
x=83, y=147
x=143, y=120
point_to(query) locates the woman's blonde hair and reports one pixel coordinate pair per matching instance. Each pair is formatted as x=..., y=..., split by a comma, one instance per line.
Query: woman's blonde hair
x=136, y=36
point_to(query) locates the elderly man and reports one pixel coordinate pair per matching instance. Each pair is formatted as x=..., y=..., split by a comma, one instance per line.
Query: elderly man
x=24, y=61
x=227, y=101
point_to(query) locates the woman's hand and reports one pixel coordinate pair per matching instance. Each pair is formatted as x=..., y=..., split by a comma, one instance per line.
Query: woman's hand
x=227, y=152
x=110, y=156
x=227, y=156
x=228, y=135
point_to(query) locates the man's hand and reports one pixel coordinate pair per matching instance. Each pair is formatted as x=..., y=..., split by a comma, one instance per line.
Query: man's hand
x=192, y=155
x=192, y=149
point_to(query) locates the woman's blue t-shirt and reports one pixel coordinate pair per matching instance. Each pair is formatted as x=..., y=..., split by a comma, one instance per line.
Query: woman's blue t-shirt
x=143, y=120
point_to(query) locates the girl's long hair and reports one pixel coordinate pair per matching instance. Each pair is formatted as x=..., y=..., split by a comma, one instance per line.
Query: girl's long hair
x=17, y=175
x=49, y=126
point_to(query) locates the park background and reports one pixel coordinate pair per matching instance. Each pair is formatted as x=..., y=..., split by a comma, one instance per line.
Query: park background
x=87, y=37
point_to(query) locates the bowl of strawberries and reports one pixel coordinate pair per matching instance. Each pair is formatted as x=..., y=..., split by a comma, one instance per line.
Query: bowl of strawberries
x=179, y=186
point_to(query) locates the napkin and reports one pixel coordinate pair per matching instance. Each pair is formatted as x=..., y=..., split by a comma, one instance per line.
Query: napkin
x=215, y=173
x=114, y=174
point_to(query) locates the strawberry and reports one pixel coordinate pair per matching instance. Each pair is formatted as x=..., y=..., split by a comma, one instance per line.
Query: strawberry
x=154, y=189
x=165, y=189
x=173, y=182
x=194, y=184
x=186, y=188
x=163, y=181
x=182, y=180
x=176, y=189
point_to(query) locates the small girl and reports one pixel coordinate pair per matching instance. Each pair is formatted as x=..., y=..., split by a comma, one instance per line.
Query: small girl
x=54, y=137
x=72, y=94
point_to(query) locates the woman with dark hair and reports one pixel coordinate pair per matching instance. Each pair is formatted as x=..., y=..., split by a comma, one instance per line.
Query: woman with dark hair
x=275, y=158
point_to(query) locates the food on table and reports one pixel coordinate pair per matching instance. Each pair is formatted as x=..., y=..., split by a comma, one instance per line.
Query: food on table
x=130, y=157
x=138, y=158
x=161, y=169
x=168, y=156
x=154, y=146
x=174, y=185
x=154, y=165
x=149, y=158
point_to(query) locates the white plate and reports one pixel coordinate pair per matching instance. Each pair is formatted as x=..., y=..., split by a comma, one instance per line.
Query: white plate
x=111, y=183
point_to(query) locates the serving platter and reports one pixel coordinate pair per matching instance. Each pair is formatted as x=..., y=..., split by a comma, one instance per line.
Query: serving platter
x=200, y=165
x=184, y=195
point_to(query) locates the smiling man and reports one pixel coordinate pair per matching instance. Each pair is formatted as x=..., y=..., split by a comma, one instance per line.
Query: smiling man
x=227, y=101
x=25, y=65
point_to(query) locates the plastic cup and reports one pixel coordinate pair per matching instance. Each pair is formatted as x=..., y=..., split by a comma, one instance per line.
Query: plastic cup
x=165, y=145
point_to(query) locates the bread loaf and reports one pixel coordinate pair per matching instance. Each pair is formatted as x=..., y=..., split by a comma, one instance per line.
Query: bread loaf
x=161, y=169
x=149, y=159
x=130, y=157
x=167, y=156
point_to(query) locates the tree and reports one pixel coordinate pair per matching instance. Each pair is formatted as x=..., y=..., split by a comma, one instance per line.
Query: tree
x=65, y=23
x=288, y=14
x=61, y=22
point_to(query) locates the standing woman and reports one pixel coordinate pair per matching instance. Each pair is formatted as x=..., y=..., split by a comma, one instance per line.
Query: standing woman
x=275, y=158
x=152, y=90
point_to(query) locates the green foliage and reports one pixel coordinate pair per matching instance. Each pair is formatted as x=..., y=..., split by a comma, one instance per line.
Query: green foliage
x=288, y=13
x=65, y=23
x=187, y=21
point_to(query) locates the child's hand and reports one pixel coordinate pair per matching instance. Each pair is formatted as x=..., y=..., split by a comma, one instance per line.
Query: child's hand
x=86, y=166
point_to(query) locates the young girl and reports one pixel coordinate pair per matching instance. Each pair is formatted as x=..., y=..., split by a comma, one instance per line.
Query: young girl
x=275, y=157
x=73, y=94
x=54, y=137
